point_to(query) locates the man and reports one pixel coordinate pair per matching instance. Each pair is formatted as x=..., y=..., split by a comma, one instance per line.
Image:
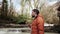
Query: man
x=37, y=25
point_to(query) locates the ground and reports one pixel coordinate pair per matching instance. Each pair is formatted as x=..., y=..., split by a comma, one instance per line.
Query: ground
x=15, y=31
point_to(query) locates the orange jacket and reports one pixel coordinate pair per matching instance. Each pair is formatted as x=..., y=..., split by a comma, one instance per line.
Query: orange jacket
x=37, y=25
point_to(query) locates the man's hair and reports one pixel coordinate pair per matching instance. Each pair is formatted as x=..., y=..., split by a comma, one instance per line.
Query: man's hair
x=58, y=8
x=36, y=10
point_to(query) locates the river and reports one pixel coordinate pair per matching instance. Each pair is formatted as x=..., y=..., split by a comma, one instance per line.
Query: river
x=17, y=31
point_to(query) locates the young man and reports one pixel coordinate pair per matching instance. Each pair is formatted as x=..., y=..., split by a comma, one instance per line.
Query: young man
x=37, y=25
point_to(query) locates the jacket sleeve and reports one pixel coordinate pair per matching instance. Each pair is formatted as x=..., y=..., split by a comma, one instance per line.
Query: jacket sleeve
x=40, y=25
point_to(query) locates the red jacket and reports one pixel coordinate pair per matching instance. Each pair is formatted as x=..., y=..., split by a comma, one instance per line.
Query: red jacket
x=37, y=25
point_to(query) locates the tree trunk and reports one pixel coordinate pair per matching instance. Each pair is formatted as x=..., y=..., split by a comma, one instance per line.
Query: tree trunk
x=4, y=8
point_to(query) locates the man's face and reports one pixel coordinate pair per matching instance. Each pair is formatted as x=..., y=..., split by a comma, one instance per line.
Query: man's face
x=33, y=14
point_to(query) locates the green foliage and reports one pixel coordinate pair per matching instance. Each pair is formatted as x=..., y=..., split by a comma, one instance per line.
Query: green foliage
x=21, y=19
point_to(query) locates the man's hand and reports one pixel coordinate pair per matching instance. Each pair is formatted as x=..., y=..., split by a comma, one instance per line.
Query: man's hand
x=29, y=25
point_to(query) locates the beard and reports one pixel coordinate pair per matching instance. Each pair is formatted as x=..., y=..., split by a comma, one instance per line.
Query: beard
x=33, y=16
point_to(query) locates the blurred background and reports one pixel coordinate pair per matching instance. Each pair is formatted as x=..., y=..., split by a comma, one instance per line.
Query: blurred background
x=15, y=15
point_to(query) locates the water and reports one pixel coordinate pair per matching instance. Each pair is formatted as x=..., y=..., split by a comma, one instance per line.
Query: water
x=16, y=31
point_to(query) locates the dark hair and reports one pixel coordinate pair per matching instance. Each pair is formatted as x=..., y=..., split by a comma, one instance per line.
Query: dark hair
x=36, y=10
x=58, y=8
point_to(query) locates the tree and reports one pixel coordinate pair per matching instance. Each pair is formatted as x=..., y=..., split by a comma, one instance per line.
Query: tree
x=4, y=8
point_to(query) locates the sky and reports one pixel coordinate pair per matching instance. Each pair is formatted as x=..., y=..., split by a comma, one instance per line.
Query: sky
x=51, y=2
x=0, y=0
x=16, y=3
